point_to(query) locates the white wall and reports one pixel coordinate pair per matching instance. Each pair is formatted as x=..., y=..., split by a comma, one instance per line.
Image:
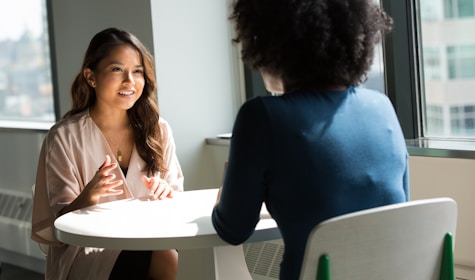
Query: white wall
x=455, y=178
x=198, y=78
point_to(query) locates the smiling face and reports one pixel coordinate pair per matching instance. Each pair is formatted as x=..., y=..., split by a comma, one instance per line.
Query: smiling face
x=118, y=79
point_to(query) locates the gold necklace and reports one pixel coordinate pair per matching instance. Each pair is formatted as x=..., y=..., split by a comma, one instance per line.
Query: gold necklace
x=109, y=139
x=119, y=152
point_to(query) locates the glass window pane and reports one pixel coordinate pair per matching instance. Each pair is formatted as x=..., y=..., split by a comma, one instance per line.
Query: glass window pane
x=432, y=63
x=448, y=50
x=430, y=12
x=457, y=8
x=465, y=8
x=26, y=91
x=376, y=74
x=448, y=7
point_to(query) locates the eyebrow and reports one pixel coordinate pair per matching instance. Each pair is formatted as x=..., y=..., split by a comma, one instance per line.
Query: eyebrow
x=120, y=63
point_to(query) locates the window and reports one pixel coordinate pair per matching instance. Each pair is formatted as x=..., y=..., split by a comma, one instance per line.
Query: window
x=461, y=62
x=435, y=119
x=458, y=8
x=431, y=12
x=433, y=68
x=26, y=87
x=448, y=51
x=376, y=74
x=462, y=120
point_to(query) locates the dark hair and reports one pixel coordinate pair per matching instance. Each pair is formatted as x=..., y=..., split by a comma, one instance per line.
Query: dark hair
x=310, y=42
x=144, y=115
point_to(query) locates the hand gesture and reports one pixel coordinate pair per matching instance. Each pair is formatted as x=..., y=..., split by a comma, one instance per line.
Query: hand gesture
x=159, y=188
x=103, y=183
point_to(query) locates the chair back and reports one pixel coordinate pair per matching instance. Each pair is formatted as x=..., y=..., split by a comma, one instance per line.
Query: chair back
x=393, y=242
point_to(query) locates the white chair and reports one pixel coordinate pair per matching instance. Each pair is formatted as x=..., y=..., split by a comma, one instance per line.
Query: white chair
x=410, y=241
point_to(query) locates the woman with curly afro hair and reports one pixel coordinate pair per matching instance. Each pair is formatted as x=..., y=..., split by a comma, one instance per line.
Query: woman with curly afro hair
x=323, y=147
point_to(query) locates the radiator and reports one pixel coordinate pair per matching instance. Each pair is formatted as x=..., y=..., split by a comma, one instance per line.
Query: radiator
x=16, y=246
x=263, y=259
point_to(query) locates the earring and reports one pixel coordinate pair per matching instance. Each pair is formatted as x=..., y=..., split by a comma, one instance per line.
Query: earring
x=92, y=84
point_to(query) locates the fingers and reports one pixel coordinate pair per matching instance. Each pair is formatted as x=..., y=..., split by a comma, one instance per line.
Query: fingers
x=107, y=166
x=107, y=185
x=106, y=162
x=146, y=180
x=111, y=189
x=104, y=184
x=159, y=189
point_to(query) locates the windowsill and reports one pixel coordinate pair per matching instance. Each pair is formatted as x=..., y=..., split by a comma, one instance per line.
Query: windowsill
x=448, y=148
x=218, y=141
x=25, y=125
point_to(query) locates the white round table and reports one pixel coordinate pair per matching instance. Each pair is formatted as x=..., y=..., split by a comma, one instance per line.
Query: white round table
x=182, y=222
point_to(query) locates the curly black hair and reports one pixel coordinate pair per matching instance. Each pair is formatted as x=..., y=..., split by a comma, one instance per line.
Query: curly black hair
x=310, y=42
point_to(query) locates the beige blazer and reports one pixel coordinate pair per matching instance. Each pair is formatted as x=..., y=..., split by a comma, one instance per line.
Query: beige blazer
x=71, y=153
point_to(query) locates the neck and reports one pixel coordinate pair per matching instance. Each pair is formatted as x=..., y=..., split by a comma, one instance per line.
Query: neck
x=317, y=87
x=110, y=120
x=118, y=132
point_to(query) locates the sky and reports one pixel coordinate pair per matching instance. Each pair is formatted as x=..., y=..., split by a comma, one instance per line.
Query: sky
x=16, y=16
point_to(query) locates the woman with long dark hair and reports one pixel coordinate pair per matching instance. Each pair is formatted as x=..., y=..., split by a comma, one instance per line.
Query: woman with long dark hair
x=111, y=145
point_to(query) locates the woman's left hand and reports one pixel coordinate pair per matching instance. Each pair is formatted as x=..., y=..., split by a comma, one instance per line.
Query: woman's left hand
x=159, y=188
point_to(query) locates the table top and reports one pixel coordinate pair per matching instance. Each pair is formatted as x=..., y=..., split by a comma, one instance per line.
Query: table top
x=181, y=222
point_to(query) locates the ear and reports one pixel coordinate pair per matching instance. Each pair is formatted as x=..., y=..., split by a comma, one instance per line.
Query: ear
x=89, y=76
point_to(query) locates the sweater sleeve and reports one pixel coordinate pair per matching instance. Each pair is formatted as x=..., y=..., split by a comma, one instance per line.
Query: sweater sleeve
x=237, y=213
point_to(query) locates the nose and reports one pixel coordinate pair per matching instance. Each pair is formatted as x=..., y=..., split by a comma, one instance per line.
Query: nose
x=128, y=77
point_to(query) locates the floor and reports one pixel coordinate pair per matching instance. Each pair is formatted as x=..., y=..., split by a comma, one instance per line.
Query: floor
x=12, y=272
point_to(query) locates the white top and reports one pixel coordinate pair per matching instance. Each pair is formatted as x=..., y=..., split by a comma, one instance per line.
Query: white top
x=182, y=222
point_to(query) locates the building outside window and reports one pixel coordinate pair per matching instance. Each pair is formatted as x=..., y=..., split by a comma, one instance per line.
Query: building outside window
x=26, y=88
x=461, y=62
x=448, y=51
x=462, y=119
x=433, y=64
x=435, y=119
x=458, y=8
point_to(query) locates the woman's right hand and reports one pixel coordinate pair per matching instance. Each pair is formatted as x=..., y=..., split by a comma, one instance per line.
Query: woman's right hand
x=102, y=184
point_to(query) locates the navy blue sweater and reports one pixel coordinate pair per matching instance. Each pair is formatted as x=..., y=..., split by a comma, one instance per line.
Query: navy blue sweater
x=310, y=156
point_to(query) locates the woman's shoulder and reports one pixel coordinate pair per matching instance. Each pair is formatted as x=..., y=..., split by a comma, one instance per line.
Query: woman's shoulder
x=72, y=124
x=255, y=104
x=165, y=129
x=164, y=125
x=373, y=93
